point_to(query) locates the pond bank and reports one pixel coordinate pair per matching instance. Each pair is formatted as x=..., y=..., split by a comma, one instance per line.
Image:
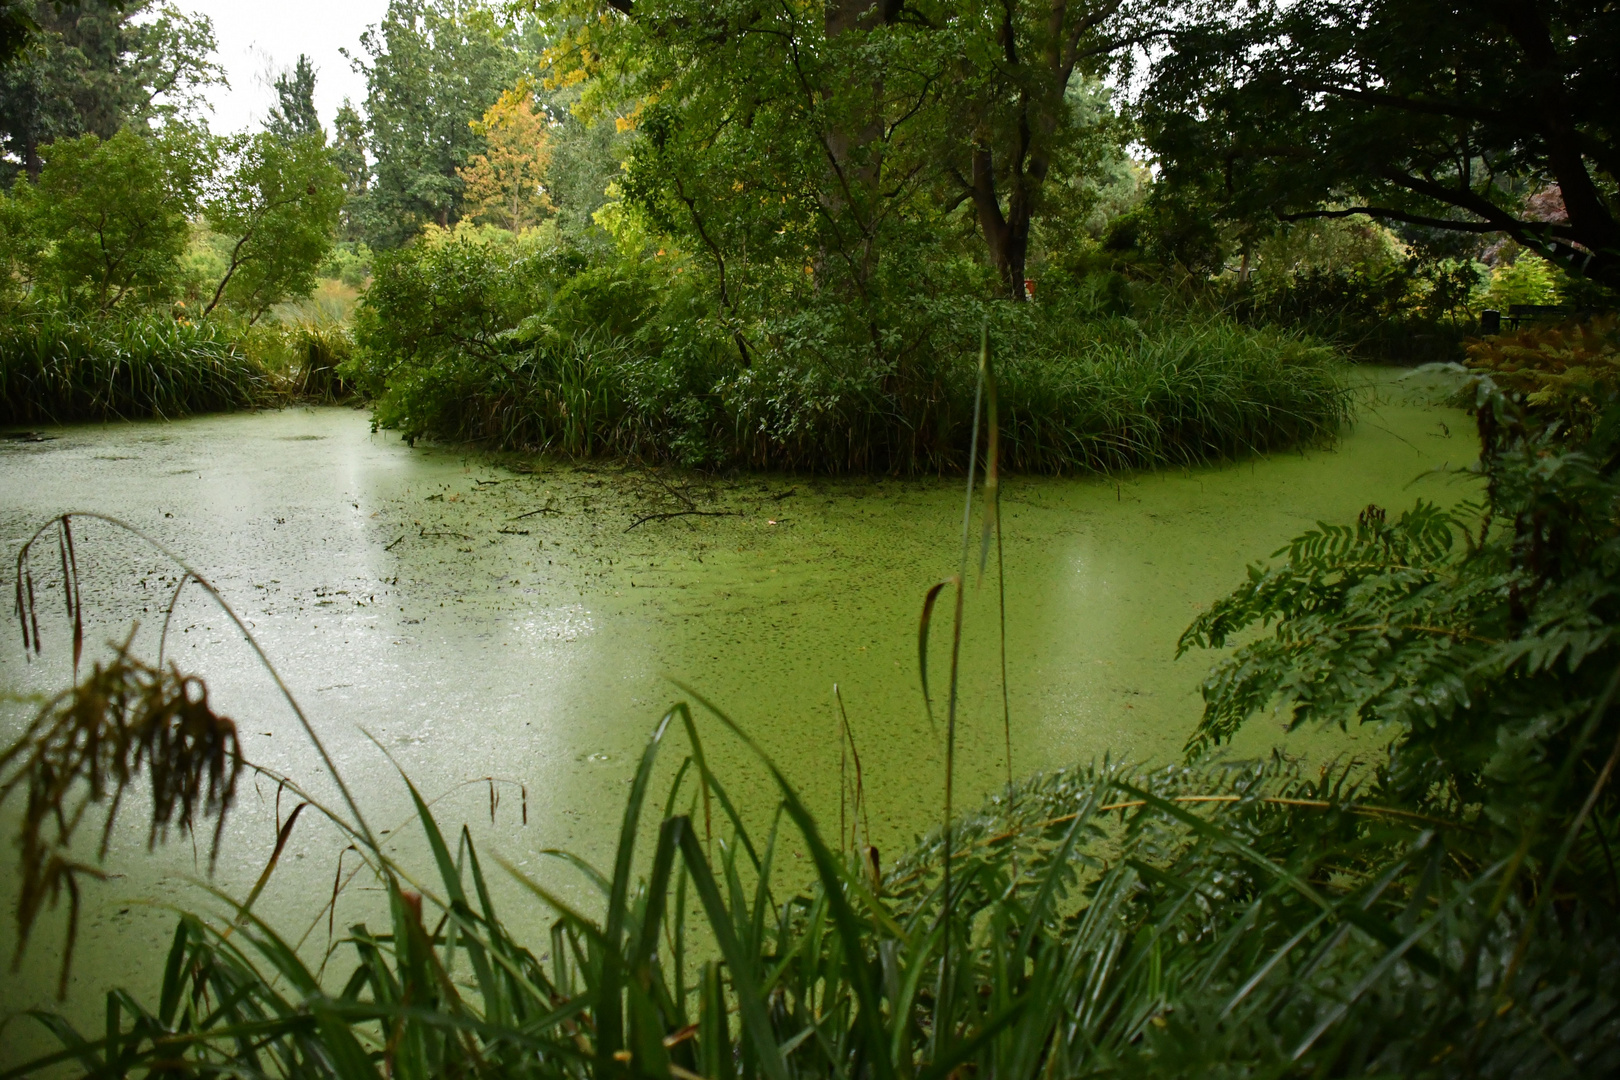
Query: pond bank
x=481, y=622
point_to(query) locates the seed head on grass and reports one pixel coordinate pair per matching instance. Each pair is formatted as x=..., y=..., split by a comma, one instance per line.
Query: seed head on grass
x=122, y=721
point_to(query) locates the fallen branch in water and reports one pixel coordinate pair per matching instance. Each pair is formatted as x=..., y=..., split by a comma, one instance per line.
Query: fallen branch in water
x=683, y=513
x=425, y=535
x=531, y=513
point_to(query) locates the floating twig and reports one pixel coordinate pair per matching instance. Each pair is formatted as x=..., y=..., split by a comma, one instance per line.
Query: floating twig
x=513, y=532
x=682, y=513
x=425, y=535
x=531, y=513
x=396, y=541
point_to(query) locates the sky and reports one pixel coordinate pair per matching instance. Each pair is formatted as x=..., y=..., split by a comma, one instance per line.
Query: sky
x=259, y=38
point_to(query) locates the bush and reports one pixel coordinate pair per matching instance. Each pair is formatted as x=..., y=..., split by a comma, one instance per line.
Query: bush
x=1487, y=639
x=521, y=344
x=56, y=367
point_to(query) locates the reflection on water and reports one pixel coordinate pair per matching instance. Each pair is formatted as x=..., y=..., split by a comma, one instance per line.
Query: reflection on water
x=475, y=622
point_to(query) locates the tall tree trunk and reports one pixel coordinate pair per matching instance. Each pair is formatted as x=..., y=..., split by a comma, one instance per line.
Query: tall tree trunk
x=854, y=151
x=1006, y=234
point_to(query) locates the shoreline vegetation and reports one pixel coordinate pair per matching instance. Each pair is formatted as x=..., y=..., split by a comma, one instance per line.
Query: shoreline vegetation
x=518, y=344
x=57, y=367
x=1089, y=384
x=1446, y=907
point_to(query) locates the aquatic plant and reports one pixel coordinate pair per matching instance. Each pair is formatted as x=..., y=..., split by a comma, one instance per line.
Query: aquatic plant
x=1206, y=919
x=57, y=366
x=302, y=354
x=531, y=349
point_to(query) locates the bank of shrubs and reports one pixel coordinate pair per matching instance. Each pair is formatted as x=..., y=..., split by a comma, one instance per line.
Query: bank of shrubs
x=136, y=271
x=532, y=344
x=1447, y=905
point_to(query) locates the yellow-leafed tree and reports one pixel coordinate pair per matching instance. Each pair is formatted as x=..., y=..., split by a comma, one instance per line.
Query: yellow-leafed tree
x=505, y=185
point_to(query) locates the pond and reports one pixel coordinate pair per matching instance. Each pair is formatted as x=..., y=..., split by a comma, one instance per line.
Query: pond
x=468, y=619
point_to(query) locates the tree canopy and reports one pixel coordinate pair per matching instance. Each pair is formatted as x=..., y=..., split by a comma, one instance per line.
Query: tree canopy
x=505, y=183
x=1443, y=116
x=294, y=116
x=96, y=66
x=844, y=125
x=432, y=67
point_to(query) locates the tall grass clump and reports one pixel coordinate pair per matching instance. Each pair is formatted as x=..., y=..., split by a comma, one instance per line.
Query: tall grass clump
x=303, y=355
x=58, y=366
x=530, y=347
x=1445, y=907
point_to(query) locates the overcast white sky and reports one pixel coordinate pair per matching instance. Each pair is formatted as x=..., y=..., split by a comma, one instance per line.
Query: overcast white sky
x=260, y=35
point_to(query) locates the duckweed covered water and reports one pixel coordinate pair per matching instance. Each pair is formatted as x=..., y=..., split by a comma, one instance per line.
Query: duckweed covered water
x=521, y=622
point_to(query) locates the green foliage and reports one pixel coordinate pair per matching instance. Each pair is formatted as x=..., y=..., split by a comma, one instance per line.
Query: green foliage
x=294, y=116
x=1241, y=921
x=480, y=336
x=109, y=226
x=98, y=66
x=1483, y=637
x=853, y=145
x=434, y=67
x=56, y=367
x=348, y=262
x=1440, y=117
x=452, y=346
x=108, y=221
x=349, y=155
x=1528, y=279
x=278, y=202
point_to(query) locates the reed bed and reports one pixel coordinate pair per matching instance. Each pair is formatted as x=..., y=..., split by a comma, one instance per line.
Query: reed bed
x=521, y=350
x=56, y=367
x=1111, y=395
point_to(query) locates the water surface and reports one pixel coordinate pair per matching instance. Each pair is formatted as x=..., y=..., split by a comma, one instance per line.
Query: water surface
x=475, y=620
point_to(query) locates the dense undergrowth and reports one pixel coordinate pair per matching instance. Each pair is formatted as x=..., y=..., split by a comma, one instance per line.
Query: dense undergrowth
x=471, y=337
x=1446, y=907
x=58, y=366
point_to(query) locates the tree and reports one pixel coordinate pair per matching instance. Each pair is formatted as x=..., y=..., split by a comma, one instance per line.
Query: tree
x=349, y=155
x=98, y=66
x=278, y=202
x=1443, y=116
x=17, y=29
x=434, y=67
x=294, y=116
x=505, y=185
x=1007, y=115
x=862, y=121
x=109, y=219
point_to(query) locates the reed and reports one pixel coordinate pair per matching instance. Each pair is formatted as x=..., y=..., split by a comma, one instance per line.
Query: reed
x=57, y=367
x=467, y=342
x=1119, y=395
x=1157, y=924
